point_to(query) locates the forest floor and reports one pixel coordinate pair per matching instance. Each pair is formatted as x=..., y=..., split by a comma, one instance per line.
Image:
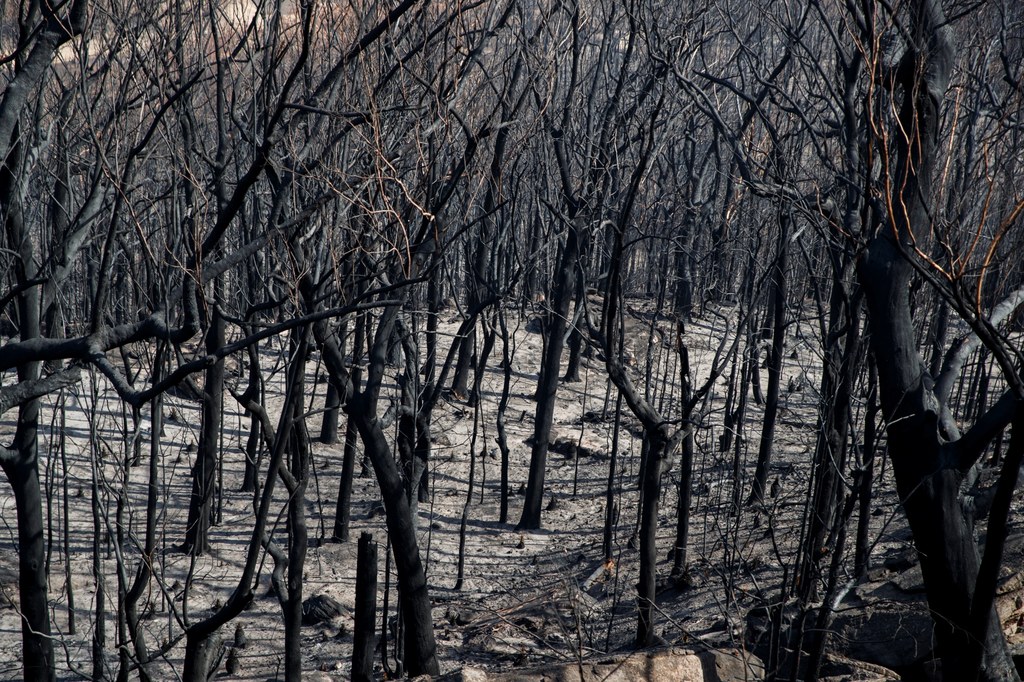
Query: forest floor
x=527, y=597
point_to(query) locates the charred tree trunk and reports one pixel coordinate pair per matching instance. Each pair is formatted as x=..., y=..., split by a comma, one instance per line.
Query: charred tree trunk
x=862, y=555
x=22, y=473
x=145, y=569
x=342, y=511
x=365, y=615
x=252, y=442
x=647, y=581
x=420, y=648
x=928, y=462
x=576, y=334
x=467, y=351
x=839, y=372
x=204, y=472
x=21, y=461
x=332, y=406
x=298, y=536
x=502, y=436
x=547, y=384
x=778, y=330
x=420, y=651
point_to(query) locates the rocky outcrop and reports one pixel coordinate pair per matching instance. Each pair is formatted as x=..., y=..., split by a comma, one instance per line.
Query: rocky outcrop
x=678, y=665
x=885, y=620
x=837, y=668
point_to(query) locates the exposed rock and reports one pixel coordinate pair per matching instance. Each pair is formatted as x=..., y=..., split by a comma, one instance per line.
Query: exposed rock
x=570, y=447
x=902, y=561
x=842, y=668
x=320, y=609
x=910, y=581
x=553, y=438
x=889, y=626
x=678, y=665
x=885, y=623
x=566, y=447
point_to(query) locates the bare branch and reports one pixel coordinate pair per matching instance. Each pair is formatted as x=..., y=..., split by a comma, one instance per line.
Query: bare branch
x=22, y=392
x=972, y=444
x=963, y=347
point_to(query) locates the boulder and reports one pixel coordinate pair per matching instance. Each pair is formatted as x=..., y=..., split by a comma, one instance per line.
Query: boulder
x=678, y=665
x=885, y=622
x=320, y=609
x=889, y=625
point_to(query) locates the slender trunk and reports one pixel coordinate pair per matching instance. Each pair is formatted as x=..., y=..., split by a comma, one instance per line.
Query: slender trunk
x=420, y=650
x=99, y=633
x=23, y=475
x=22, y=467
x=252, y=442
x=332, y=406
x=572, y=367
x=547, y=383
x=342, y=511
x=66, y=522
x=200, y=639
x=298, y=536
x=771, y=405
x=502, y=437
x=467, y=349
x=609, y=495
x=481, y=362
x=685, y=490
x=862, y=554
x=841, y=366
x=204, y=472
x=365, y=614
x=647, y=581
x=145, y=571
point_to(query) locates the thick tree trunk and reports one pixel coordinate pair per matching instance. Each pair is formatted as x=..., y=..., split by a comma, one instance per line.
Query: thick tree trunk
x=928, y=467
x=927, y=476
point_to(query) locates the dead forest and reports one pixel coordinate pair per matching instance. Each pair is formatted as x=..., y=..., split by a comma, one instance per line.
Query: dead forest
x=367, y=340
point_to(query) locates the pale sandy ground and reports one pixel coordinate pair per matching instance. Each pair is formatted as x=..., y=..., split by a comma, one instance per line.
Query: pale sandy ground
x=521, y=601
